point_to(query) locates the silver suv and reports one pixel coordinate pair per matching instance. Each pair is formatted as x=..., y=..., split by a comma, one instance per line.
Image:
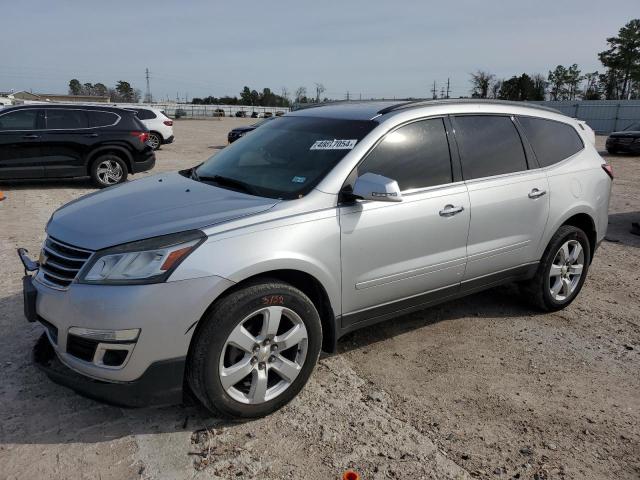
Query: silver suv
x=227, y=280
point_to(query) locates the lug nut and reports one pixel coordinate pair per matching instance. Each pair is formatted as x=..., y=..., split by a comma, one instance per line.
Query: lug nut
x=253, y=360
x=261, y=366
x=256, y=348
x=272, y=359
x=266, y=341
x=274, y=347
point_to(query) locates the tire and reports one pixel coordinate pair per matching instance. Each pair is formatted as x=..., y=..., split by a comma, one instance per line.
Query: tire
x=538, y=290
x=100, y=170
x=214, y=355
x=155, y=140
x=612, y=151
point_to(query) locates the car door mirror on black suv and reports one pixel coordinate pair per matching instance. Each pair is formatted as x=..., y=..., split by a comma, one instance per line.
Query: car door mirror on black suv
x=371, y=186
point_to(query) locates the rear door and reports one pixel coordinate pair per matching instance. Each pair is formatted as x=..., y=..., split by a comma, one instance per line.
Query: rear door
x=20, y=147
x=66, y=141
x=509, y=201
x=401, y=255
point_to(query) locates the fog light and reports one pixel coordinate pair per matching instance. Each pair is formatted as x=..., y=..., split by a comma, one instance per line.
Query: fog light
x=130, y=335
x=114, y=358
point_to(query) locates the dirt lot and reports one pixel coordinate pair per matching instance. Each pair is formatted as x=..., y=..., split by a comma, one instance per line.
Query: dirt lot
x=482, y=387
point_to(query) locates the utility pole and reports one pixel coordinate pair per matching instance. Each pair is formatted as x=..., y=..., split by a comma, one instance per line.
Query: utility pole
x=448, y=89
x=434, y=91
x=347, y=95
x=147, y=96
x=442, y=92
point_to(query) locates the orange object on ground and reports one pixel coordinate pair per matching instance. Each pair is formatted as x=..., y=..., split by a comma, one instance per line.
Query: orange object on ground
x=350, y=475
x=2, y=197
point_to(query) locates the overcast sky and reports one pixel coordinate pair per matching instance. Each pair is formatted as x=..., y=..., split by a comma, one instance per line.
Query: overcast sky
x=374, y=48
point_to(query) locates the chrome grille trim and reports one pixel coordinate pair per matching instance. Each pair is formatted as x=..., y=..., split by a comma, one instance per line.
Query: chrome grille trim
x=63, y=263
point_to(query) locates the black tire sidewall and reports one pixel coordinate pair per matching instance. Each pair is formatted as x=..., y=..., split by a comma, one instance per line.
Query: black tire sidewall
x=231, y=311
x=568, y=233
x=101, y=158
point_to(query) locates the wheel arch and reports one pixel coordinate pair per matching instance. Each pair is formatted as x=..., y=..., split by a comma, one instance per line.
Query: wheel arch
x=301, y=280
x=583, y=218
x=116, y=149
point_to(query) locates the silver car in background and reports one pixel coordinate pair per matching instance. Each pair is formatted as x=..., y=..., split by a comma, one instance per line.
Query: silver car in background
x=228, y=279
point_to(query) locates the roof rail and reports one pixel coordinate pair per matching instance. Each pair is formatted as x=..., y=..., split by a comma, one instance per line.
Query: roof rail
x=426, y=103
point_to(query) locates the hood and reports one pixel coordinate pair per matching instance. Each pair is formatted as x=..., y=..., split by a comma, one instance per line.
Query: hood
x=244, y=129
x=626, y=134
x=149, y=207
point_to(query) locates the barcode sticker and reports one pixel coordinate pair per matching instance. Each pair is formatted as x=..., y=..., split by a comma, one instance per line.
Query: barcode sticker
x=334, y=144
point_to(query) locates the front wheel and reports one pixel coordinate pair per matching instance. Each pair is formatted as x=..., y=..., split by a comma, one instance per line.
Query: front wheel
x=255, y=350
x=562, y=270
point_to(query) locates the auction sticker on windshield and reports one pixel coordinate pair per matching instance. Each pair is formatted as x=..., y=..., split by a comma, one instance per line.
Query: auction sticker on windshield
x=334, y=144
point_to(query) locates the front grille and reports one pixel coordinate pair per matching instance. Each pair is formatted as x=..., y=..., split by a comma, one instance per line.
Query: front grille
x=61, y=262
x=82, y=348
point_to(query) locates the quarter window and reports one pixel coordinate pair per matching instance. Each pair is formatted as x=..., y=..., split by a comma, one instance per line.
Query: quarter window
x=99, y=118
x=489, y=145
x=551, y=141
x=66, y=119
x=19, y=120
x=145, y=114
x=416, y=155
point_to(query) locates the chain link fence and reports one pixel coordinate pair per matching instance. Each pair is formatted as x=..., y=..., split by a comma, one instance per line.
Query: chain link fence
x=604, y=116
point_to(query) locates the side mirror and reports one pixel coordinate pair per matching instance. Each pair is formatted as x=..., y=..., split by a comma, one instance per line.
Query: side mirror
x=371, y=186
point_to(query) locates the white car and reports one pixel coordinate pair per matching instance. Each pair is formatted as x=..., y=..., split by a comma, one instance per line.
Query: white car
x=160, y=126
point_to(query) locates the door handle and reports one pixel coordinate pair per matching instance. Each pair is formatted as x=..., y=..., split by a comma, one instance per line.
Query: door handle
x=91, y=135
x=30, y=137
x=450, y=210
x=536, y=193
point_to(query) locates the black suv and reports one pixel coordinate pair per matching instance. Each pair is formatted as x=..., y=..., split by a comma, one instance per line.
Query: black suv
x=56, y=141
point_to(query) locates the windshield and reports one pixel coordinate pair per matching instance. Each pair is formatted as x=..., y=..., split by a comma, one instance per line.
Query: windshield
x=633, y=127
x=284, y=159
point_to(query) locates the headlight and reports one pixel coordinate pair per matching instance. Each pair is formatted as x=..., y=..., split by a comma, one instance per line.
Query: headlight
x=144, y=261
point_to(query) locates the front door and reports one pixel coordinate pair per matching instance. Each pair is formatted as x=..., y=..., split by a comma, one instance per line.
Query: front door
x=397, y=256
x=20, y=144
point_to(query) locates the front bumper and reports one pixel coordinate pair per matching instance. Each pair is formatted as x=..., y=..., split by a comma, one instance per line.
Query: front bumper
x=160, y=384
x=624, y=145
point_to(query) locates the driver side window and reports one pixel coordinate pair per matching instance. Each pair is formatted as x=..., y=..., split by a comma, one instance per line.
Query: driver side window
x=19, y=120
x=415, y=155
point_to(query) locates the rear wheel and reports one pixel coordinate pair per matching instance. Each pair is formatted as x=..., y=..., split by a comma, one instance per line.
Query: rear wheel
x=108, y=169
x=255, y=350
x=562, y=270
x=155, y=140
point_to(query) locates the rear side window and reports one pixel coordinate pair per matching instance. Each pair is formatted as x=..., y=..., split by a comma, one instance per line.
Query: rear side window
x=98, y=118
x=551, y=141
x=66, y=119
x=489, y=145
x=416, y=155
x=146, y=114
x=19, y=120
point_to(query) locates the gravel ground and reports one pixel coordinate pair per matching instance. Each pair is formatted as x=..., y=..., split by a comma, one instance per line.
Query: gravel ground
x=482, y=387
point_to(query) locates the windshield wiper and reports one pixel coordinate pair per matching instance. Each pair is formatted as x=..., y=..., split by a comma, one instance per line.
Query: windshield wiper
x=224, y=182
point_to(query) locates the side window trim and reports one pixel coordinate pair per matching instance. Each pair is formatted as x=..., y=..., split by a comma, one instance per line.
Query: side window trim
x=529, y=154
x=88, y=114
x=351, y=177
x=482, y=114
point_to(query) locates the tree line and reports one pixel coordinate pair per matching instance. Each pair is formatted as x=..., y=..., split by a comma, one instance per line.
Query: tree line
x=619, y=81
x=265, y=98
x=122, y=92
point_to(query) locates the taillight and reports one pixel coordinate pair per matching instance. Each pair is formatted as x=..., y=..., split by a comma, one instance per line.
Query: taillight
x=168, y=123
x=607, y=168
x=142, y=136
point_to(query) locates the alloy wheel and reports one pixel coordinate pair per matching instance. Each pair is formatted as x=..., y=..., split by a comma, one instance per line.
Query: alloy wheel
x=566, y=270
x=154, y=141
x=263, y=355
x=109, y=172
